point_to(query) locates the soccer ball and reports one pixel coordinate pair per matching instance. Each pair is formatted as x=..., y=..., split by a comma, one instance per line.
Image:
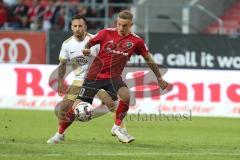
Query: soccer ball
x=83, y=111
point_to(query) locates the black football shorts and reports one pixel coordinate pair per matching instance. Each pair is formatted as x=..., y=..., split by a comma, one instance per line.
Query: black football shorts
x=90, y=88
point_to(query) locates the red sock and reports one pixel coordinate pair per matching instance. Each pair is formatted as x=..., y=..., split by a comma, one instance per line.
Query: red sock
x=64, y=124
x=121, y=112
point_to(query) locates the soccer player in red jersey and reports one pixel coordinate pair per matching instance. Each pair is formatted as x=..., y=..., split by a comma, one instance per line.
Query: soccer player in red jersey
x=116, y=47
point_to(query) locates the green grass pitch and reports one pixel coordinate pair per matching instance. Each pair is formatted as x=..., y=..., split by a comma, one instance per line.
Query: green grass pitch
x=23, y=135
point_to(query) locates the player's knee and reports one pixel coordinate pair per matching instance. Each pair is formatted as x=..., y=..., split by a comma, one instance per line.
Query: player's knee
x=124, y=95
x=62, y=115
x=125, y=99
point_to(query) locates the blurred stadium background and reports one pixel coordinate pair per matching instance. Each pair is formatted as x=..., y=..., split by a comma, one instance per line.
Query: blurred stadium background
x=199, y=42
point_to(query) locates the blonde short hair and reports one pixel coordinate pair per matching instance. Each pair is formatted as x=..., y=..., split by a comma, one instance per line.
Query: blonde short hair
x=125, y=14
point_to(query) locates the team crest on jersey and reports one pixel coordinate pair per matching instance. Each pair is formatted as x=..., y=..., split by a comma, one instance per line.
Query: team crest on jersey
x=126, y=45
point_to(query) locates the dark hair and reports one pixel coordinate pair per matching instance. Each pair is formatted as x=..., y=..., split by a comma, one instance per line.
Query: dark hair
x=79, y=17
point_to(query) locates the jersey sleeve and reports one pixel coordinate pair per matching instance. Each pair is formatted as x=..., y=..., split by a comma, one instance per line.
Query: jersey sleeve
x=97, y=38
x=95, y=50
x=142, y=48
x=64, y=56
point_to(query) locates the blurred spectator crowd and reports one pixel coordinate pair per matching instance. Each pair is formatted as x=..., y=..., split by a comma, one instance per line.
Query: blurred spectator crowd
x=52, y=14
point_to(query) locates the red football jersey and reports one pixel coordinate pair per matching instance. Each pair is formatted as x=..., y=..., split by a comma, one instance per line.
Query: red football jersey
x=115, y=51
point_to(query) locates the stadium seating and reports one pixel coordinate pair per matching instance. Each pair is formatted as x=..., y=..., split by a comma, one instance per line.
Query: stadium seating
x=231, y=21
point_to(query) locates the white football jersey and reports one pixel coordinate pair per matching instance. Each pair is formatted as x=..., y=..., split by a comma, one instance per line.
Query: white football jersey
x=71, y=51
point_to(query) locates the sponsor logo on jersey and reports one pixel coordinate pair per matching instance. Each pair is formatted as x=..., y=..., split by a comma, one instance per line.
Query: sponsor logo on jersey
x=120, y=48
x=82, y=60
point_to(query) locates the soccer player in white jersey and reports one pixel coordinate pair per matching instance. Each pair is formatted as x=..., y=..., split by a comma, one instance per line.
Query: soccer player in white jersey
x=72, y=51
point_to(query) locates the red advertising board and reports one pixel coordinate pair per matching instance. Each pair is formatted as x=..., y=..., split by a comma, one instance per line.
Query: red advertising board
x=22, y=47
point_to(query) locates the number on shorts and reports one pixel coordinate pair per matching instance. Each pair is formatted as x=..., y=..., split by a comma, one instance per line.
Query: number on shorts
x=81, y=92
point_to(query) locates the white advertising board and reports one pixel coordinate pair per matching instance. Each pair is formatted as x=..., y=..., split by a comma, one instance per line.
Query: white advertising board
x=201, y=92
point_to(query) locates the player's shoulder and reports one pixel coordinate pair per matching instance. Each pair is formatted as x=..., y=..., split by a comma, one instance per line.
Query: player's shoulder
x=136, y=36
x=89, y=35
x=68, y=40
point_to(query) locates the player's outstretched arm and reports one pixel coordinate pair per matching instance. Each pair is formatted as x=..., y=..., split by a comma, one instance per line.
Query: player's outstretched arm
x=151, y=63
x=93, y=41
